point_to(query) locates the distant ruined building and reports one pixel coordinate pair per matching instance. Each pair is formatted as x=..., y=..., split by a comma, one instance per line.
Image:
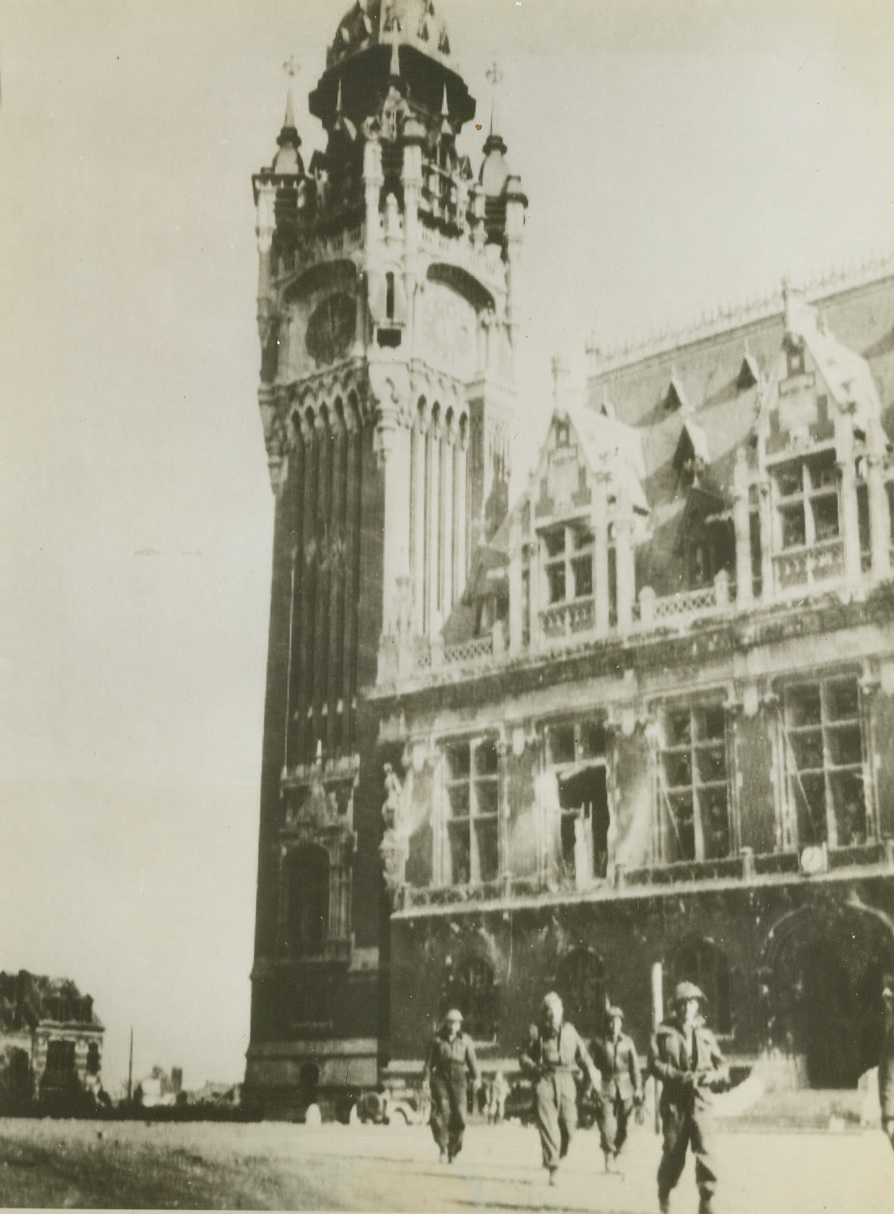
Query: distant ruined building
x=641, y=716
x=50, y=1044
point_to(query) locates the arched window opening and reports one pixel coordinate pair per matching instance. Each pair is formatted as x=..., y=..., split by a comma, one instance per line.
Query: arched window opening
x=472, y=989
x=389, y=295
x=707, y=965
x=93, y=1058
x=580, y=981
x=307, y=901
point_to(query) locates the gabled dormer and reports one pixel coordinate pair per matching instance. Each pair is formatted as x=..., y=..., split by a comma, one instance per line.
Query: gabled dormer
x=573, y=534
x=821, y=461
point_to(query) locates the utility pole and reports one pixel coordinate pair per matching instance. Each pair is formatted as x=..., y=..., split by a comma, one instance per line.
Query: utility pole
x=130, y=1069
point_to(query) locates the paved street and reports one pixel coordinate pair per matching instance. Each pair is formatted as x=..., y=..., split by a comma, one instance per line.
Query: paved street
x=366, y=1168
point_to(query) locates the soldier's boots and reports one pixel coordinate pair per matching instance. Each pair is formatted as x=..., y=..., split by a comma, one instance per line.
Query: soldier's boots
x=664, y=1202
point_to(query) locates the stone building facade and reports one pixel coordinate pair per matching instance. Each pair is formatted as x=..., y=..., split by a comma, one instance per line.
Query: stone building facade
x=671, y=745
x=638, y=722
x=50, y=1043
x=385, y=308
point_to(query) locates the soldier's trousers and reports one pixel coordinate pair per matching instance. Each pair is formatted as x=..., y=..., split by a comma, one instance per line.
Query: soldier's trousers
x=681, y=1129
x=556, y=1102
x=613, y=1119
x=448, y=1110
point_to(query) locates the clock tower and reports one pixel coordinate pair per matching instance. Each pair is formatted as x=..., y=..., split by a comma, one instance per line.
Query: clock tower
x=386, y=312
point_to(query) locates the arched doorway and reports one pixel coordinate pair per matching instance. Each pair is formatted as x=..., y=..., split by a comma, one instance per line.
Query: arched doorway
x=822, y=973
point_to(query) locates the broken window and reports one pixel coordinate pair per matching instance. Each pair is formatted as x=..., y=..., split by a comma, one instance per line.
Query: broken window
x=576, y=752
x=695, y=784
x=472, y=786
x=824, y=762
x=807, y=501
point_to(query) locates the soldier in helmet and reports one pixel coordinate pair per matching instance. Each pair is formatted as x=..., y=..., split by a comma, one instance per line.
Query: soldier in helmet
x=549, y=1056
x=622, y=1086
x=886, y=1062
x=685, y=1058
x=450, y=1056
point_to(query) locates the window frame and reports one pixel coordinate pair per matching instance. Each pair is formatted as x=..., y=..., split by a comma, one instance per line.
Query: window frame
x=475, y=822
x=579, y=759
x=697, y=789
x=828, y=730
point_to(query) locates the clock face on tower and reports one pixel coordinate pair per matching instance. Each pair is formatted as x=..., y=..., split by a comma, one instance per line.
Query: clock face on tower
x=330, y=329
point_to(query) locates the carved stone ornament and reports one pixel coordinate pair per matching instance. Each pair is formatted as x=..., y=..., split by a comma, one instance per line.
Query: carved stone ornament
x=394, y=849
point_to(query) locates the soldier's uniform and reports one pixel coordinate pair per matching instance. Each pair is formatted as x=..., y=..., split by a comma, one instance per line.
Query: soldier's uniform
x=689, y=1065
x=622, y=1087
x=886, y=1064
x=549, y=1056
x=448, y=1060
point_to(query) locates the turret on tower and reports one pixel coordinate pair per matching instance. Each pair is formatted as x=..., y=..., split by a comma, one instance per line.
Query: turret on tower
x=387, y=276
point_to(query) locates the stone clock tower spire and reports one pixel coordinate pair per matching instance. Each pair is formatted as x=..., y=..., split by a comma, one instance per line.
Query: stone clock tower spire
x=387, y=275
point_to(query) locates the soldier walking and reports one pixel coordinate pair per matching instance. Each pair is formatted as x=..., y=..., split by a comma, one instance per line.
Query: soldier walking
x=622, y=1086
x=685, y=1057
x=886, y=1062
x=549, y=1056
x=450, y=1056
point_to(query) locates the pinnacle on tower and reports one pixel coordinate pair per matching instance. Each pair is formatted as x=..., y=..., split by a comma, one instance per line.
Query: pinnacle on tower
x=287, y=161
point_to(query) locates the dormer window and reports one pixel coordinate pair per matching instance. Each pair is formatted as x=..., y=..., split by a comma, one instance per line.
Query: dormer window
x=563, y=434
x=795, y=359
x=808, y=501
x=568, y=563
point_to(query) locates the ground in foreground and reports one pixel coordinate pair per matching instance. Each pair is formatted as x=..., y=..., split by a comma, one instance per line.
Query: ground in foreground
x=278, y=1167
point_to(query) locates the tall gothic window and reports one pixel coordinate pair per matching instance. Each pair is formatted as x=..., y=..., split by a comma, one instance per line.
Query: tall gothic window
x=694, y=783
x=472, y=786
x=307, y=901
x=824, y=762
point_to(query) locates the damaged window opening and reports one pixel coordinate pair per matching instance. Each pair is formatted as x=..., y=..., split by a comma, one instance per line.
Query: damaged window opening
x=576, y=753
x=472, y=786
x=824, y=763
x=694, y=784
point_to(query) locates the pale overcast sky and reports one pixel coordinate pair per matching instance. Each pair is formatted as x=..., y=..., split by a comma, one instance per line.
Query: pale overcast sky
x=677, y=156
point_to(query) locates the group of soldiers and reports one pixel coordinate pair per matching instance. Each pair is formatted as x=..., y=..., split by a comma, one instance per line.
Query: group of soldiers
x=683, y=1057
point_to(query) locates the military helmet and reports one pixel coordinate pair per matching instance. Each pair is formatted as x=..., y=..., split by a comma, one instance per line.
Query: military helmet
x=686, y=991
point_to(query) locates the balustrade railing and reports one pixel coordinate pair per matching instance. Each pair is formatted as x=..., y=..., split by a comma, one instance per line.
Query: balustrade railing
x=805, y=566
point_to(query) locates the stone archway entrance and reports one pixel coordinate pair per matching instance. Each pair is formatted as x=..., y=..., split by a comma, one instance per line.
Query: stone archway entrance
x=822, y=975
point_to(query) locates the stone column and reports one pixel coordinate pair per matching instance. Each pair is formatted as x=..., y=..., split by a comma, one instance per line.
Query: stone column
x=433, y=464
x=418, y=521
x=768, y=547
x=447, y=520
x=535, y=588
x=516, y=619
x=625, y=559
x=461, y=523
x=373, y=180
x=879, y=519
x=394, y=460
x=850, y=526
x=742, y=526
x=602, y=605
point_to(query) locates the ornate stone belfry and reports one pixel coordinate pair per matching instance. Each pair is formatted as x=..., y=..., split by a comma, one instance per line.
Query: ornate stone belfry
x=387, y=285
